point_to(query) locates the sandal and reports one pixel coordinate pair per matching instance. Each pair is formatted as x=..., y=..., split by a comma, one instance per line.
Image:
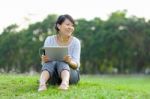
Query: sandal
x=64, y=86
x=42, y=88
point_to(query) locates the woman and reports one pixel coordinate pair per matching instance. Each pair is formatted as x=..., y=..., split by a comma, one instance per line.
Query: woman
x=67, y=71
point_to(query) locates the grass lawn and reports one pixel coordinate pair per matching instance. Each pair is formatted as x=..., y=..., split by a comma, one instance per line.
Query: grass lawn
x=90, y=87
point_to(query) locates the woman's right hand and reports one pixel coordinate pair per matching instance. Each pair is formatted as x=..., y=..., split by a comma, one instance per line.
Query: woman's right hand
x=45, y=58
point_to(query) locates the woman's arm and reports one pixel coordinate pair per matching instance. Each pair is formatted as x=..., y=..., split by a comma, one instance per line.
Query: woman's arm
x=74, y=59
x=70, y=61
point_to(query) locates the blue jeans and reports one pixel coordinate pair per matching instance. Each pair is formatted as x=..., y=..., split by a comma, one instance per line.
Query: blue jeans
x=56, y=67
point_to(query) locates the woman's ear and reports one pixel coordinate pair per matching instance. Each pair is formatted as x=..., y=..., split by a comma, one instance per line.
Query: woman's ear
x=58, y=26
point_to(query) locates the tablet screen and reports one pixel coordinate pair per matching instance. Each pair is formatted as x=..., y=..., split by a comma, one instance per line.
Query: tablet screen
x=56, y=52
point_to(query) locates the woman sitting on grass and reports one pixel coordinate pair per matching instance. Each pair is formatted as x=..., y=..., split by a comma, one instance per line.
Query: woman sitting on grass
x=67, y=71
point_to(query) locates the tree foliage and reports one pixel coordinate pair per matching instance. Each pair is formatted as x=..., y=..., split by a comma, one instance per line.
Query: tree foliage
x=117, y=45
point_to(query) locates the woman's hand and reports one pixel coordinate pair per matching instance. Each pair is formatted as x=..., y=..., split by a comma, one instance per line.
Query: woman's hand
x=45, y=58
x=67, y=59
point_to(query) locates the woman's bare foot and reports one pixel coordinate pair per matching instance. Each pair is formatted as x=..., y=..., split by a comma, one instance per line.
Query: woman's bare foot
x=42, y=88
x=64, y=86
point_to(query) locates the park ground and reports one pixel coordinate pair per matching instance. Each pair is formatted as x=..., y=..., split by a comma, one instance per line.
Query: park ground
x=21, y=86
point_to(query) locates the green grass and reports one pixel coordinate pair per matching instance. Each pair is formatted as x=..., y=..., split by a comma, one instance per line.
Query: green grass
x=89, y=87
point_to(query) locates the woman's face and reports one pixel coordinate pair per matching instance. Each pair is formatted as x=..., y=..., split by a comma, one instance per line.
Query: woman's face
x=66, y=28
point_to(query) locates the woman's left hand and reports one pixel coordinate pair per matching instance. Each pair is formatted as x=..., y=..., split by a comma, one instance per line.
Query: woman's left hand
x=67, y=58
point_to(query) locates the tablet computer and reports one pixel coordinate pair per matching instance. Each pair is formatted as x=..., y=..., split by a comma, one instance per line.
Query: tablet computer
x=56, y=52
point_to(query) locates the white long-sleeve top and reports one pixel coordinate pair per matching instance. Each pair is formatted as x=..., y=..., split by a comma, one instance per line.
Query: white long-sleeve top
x=74, y=47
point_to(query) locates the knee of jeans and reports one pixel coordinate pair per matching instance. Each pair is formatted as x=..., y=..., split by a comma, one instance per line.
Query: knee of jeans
x=45, y=64
x=62, y=66
x=49, y=67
